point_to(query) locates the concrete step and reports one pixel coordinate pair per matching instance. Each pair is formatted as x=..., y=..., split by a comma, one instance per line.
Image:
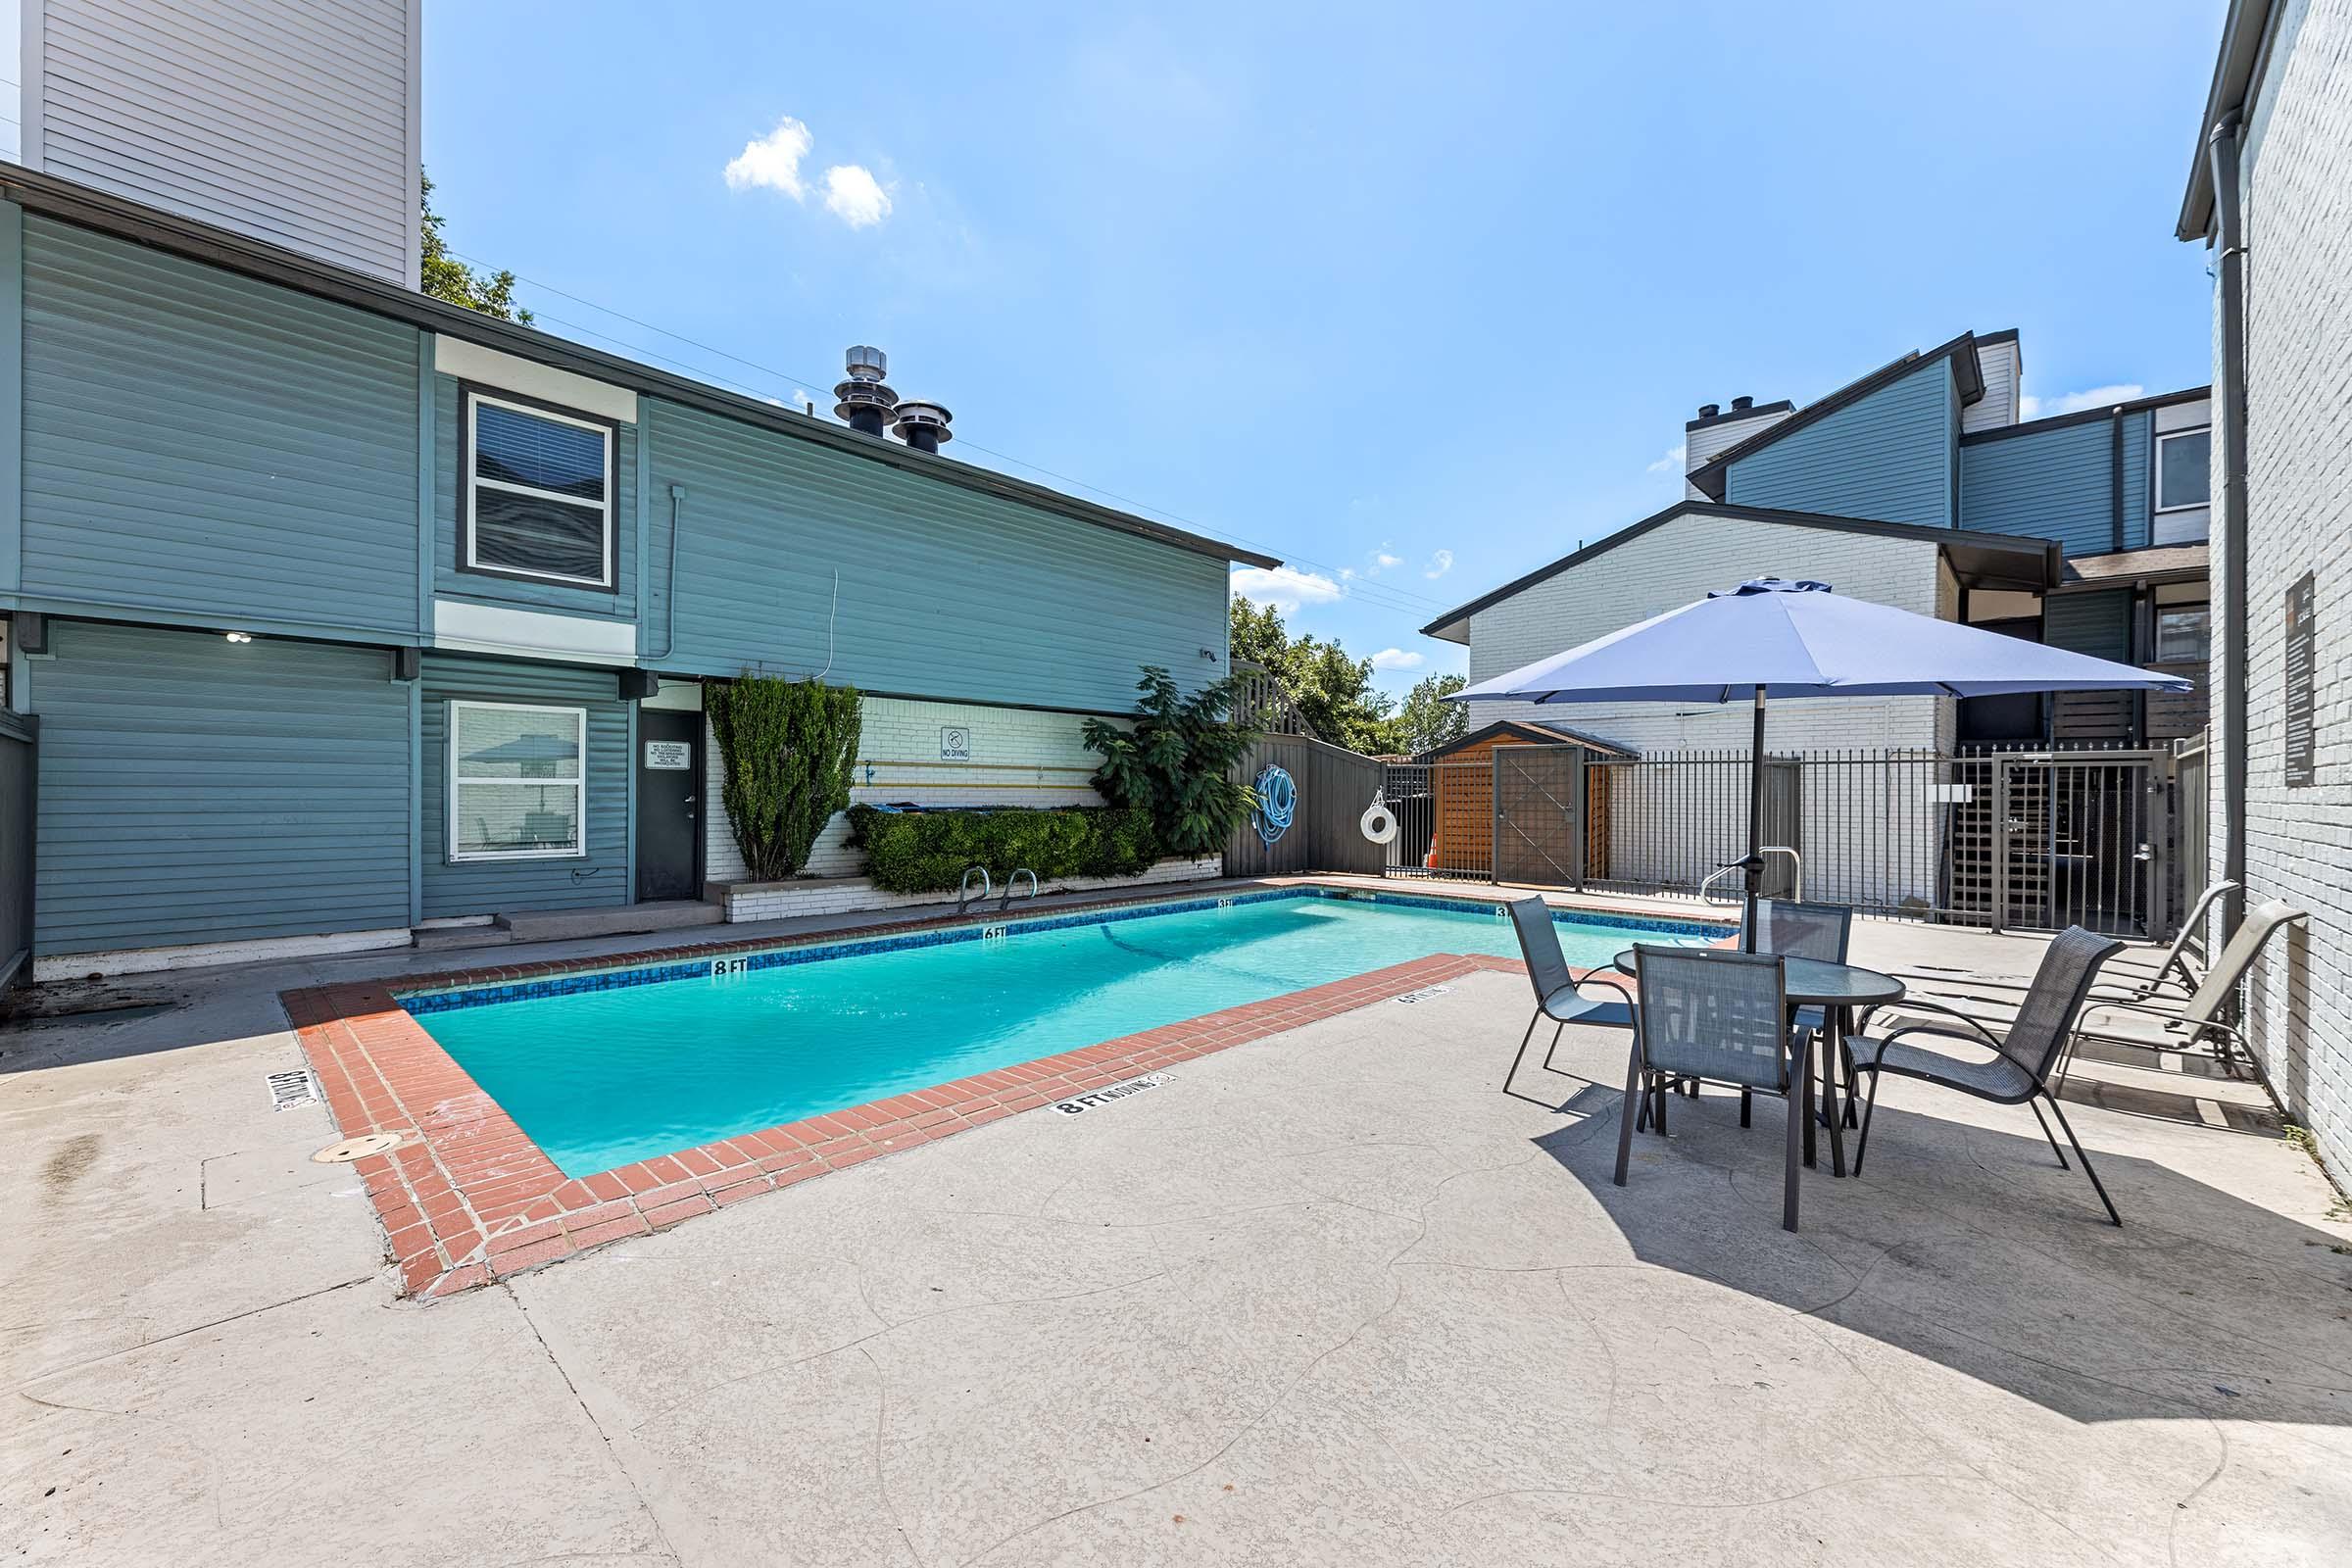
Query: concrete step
x=564, y=925
x=445, y=938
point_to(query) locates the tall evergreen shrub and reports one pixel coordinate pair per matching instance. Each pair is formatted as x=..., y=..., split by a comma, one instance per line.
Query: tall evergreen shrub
x=789, y=749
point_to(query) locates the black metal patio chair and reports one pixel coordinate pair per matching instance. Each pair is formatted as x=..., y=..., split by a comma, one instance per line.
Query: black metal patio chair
x=1709, y=1015
x=1794, y=930
x=1559, y=996
x=2023, y=1059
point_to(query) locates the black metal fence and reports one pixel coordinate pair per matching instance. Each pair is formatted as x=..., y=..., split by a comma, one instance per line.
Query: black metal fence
x=2030, y=839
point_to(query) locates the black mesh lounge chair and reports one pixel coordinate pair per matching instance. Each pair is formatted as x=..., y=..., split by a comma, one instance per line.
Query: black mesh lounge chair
x=1794, y=930
x=1716, y=1017
x=2196, y=1024
x=2023, y=1059
x=1558, y=996
x=2175, y=968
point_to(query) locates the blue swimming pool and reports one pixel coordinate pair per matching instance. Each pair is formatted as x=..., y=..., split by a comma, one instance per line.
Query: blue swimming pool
x=611, y=1066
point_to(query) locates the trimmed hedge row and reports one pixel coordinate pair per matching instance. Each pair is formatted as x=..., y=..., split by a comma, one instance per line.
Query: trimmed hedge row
x=926, y=852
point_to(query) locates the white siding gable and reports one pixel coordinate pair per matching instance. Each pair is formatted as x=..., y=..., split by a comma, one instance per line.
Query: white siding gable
x=293, y=122
x=1680, y=560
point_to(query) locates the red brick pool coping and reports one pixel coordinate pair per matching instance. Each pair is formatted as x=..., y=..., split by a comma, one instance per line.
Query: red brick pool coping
x=468, y=1197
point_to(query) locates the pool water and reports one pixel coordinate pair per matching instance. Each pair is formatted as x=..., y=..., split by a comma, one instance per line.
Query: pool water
x=599, y=1078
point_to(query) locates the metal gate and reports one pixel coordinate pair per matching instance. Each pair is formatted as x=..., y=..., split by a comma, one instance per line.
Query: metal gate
x=2078, y=839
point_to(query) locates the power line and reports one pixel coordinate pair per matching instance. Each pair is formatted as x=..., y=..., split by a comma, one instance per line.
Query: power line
x=1383, y=594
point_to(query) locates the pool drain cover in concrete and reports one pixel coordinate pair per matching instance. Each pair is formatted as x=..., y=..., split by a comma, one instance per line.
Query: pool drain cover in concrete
x=359, y=1148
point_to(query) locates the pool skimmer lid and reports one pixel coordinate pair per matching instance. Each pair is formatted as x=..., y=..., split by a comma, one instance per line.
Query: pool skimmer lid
x=359, y=1148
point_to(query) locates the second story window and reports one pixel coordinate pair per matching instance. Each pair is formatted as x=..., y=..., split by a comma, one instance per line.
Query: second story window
x=2183, y=469
x=537, y=497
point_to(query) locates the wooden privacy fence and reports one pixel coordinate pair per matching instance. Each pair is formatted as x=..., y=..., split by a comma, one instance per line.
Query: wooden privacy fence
x=19, y=775
x=1334, y=787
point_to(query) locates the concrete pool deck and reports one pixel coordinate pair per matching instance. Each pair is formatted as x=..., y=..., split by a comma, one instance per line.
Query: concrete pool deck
x=1325, y=1296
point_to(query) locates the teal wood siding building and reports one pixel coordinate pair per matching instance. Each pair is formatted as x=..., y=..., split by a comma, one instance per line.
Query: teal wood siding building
x=270, y=529
x=2081, y=481
x=1887, y=456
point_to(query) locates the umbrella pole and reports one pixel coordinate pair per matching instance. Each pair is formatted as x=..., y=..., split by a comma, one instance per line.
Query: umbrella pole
x=1755, y=830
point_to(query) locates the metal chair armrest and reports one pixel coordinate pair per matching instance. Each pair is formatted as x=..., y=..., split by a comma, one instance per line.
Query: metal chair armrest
x=1975, y=1031
x=2096, y=1004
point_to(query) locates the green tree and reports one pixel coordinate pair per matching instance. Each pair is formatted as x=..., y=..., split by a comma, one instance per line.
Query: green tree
x=1177, y=761
x=789, y=749
x=1335, y=692
x=1428, y=720
x=445, y=277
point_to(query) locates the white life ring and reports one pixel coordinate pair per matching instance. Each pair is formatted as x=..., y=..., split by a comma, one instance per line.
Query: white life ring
x=1377, y=823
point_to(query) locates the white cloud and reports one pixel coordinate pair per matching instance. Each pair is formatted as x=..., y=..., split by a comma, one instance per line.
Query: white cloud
x=2029, y=406
x=773, y=161
x=1440, y=563
x=1285, y=588
x=1673, y=462
x=1395, y=659
x=855, y=196
x=1383, y=557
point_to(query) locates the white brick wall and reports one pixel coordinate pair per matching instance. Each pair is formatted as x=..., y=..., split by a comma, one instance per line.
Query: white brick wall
x=1681, y=561
x=1018, y=757
x=776, y=901
x=2298, y=168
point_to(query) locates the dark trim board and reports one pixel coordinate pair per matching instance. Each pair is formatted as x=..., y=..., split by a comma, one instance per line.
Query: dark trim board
x=2236, y=68
x=2059, y=421
x=102, y=212
x=2047, y=554
x=1535, y=734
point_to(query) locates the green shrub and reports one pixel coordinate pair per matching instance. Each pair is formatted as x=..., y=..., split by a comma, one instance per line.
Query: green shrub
x=1176, y=761
x=788, y=749
x=926, y=852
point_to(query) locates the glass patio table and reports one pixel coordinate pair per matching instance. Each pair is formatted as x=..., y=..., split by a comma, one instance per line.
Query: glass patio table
x=1836, y=989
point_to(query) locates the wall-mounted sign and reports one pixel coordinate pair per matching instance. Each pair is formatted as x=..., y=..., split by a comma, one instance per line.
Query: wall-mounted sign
x=669, y=755
x=954, y=743
x=2302, y=695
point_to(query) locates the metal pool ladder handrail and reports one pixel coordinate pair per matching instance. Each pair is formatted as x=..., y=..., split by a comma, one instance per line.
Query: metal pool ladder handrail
x=964, y=892
x=1798, y=861
x=1012, y=882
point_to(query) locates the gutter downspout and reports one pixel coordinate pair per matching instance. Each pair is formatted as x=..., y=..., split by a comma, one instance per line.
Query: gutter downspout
x=2230, y=238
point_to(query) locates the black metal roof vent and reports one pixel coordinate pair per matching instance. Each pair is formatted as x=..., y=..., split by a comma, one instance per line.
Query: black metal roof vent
x=924, y=425
x=865, y=401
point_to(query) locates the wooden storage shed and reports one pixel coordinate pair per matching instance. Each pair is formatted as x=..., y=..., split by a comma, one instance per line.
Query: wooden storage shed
x=1462, y=785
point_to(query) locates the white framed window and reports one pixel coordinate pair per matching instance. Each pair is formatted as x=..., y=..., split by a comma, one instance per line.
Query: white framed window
x=518, y=782
x=2182, y=636
x=537, y=493
x=2183, y=469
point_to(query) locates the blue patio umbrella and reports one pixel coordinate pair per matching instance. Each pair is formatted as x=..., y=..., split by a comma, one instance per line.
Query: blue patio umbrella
x=1774, y=637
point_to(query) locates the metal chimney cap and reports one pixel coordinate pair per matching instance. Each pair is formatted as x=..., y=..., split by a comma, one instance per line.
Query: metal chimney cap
x=1741, y=405
x=866, y=363
x=1708, y=410
x=932, y=416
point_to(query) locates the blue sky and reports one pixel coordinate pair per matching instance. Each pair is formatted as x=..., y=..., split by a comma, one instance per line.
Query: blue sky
x=1416, y=297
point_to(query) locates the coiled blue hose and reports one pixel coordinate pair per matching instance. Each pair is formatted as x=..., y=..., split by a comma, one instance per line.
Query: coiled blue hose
x=1277, y=802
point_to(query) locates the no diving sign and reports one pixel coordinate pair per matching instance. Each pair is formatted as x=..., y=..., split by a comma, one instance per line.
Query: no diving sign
x=1078, y=1105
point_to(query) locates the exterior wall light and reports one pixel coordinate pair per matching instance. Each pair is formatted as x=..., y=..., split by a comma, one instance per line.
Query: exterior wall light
x=238, y=636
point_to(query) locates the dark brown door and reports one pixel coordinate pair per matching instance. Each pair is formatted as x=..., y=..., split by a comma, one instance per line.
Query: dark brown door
x=669, y=786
